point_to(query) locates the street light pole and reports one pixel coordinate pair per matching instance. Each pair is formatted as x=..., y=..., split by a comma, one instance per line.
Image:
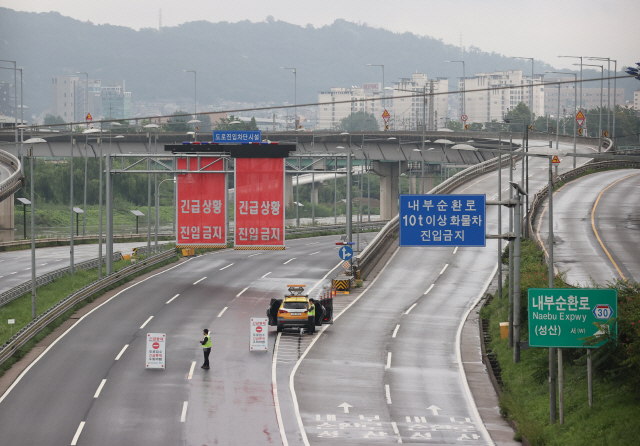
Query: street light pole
x=575, y=111
x=71, y=265
x=581, y=82
x=531, y=97
x=601, y=92
x=295, y=95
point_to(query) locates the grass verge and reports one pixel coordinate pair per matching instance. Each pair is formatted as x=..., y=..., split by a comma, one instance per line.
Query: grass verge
x=613, y=419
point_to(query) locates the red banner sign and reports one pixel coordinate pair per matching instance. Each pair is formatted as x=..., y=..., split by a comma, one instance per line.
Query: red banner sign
x=201, y=205
x=259, y=203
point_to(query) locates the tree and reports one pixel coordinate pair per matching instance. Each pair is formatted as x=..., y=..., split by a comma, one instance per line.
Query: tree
x=359, y=122
x=51, y=120
x=176, y=125
x=233, y=123
x=520, y=114
x=456, y=126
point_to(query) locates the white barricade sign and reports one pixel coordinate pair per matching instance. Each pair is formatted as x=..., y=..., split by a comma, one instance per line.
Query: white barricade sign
x=156, y=353
x=259, y=334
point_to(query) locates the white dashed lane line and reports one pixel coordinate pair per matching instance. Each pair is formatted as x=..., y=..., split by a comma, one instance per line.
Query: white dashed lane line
x=430, y=288
x=445, y=267
x=252, y=255
x=225, y=267
x=395, y=332
x=77, y=435
x=266, y=275
x=387, y=391
x=97, y=394
x=238, y=295
x=222, y=312
x=183, y=417
x=288, y=261
x=122, y=351
x=455, y=250
x=146, y=322
x=193, y=366
x=198, y=281
x=314, y=253
x=388, y=366
x=169, y=301
x=410, y=308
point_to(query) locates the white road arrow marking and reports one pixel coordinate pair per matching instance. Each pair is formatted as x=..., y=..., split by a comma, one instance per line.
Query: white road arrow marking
x=346, y=407
x=434, y=409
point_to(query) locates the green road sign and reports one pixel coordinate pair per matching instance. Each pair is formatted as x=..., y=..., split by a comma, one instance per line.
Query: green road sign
x=565, y=317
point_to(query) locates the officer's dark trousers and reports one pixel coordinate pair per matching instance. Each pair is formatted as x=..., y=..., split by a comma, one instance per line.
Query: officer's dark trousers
x=206, y=352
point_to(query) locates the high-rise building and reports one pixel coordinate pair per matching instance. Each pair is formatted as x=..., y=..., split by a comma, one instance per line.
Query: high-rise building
x=409, y=113
x=500, y=92
x=116, y=102
x=63, y=92
x=590, y=96
x=334, y=108
x=636, y=100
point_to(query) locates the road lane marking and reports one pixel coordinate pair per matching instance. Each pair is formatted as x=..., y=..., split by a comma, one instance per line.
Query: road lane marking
x=388, y=366
x=238, y=295
x=470, y=399
x=15, y=272
x=193, y=366
x=257, y=254
x=122, y=351
x=455, y=250
x=411, y=308
x=146, y=322
x=314, y=243
x=395, y=332
x=44, y=264
x=198, y=281
x=169, y=301
x=397, y=432
x=313, y=253
x=593, y=225
x=183, y=417
x=77, y=435
x=265, y=275
x=225, y=267
x=292, y=389
x=445, y=267
x=97, y=394
x=430, y=288
x=387, y=391
x=274, y=385
x=34, y=362
x=288, y=261
x=223, y=310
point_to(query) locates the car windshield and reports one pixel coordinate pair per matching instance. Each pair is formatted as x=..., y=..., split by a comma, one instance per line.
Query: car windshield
x=295, y=306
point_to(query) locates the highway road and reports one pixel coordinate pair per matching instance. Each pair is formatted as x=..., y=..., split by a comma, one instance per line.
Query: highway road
x=599, y=249
x=393, y=356
x=15, y=266
x=5, y=172
x=91, y=386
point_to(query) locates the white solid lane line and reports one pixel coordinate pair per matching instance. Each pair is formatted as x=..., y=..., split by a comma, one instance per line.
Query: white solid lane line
x=266, y=275
x=223, y=310
x=387, y=391
x=77, y=435
x=238, y=295
x=252, y=255
x=313, y=253
x=455, y=250
x=288, y=261
x=183, y=417
x=146, y=322
x=388, y=366
x=122, y=351
x=430, y=288
x=445, y=267
x=193, y=366
x=169, y=301
x=395, y=332
x=97, y=394
x=197, y=281
x=410, y=308
x=225, y=267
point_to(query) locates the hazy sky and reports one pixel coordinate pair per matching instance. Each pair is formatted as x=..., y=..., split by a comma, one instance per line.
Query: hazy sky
x=542, y=29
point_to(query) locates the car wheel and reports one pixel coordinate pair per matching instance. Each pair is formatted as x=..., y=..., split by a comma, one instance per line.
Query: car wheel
x=279, y=328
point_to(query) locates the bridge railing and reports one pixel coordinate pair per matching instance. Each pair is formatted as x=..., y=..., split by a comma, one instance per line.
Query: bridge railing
x=14, y=182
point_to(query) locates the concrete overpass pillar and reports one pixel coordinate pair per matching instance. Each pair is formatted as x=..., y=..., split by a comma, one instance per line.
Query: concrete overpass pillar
x=314, y=193
x=428, y=181
x=6, y=219
x=388, y=172
x=288, y=191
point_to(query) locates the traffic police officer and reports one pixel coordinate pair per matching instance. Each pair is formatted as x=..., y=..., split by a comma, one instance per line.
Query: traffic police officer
x=311, y=314
x=206, y=348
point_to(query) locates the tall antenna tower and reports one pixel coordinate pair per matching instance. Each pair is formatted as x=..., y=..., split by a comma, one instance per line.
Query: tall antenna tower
x=160, y=20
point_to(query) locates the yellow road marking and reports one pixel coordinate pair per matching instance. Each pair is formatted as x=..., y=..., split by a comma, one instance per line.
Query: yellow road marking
x=593, y=225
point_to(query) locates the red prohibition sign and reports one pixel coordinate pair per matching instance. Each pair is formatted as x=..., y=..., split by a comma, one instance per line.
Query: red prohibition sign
x=155, y=345
x=259, y=329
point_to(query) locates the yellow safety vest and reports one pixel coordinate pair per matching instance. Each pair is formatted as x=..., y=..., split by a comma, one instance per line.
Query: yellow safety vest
x=208, y=343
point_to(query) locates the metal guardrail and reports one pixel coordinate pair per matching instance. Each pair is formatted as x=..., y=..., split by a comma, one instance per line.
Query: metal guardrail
x=542, y=195
x=14, y=182
x=40, y=322
x=366, y=260
x=47, y=278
